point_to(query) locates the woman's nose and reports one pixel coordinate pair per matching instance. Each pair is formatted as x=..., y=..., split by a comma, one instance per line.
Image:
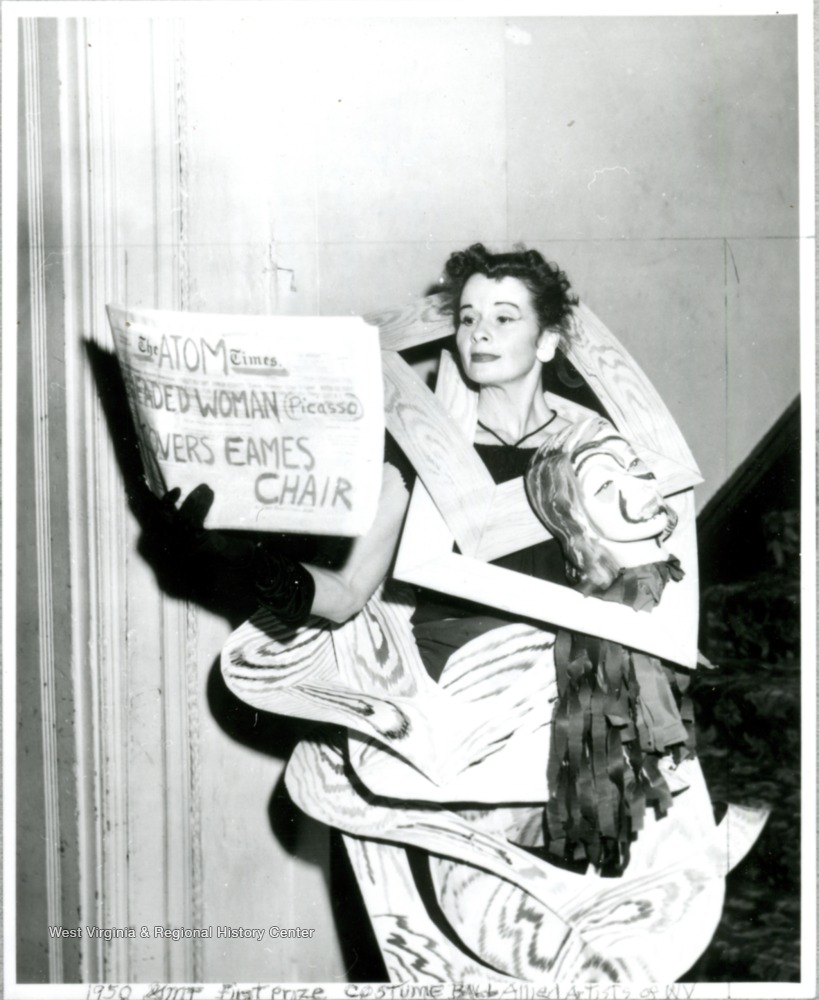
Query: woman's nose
x=479, y=331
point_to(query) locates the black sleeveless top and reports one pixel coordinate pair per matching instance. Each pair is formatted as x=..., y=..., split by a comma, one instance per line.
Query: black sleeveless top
x=442, y=623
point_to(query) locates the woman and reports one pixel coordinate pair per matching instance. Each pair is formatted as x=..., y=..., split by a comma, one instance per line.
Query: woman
x=422, y=737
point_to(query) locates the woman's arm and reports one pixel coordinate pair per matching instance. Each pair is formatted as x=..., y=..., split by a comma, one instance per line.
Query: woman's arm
x=343, y=592
x=258, y=573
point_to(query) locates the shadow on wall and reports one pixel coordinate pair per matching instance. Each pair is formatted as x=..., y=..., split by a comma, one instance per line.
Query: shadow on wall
x=179, y=573
x=299, y=834
x=276, y=736
x=218, y=583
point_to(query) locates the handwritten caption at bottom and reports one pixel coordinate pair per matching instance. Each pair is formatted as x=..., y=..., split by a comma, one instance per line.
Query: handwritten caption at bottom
x=396, y=991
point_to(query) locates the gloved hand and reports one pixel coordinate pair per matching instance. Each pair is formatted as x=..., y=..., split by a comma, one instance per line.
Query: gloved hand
x=277, y=582
x=186, y=528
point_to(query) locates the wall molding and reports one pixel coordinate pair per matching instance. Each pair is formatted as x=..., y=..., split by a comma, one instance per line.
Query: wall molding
x=102, y=506
x=85, y=587
x=42, y=491
x=180, y=620
x=119, y=883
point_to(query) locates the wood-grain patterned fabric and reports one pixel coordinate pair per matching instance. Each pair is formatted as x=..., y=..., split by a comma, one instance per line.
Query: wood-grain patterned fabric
x=414, y=753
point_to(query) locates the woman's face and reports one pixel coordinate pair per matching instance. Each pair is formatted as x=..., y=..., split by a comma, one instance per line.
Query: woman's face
x=618, y=491
x=498, y=331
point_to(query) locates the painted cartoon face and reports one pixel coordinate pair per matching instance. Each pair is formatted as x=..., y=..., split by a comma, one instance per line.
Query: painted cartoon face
x=618, y=491
x=498, y=331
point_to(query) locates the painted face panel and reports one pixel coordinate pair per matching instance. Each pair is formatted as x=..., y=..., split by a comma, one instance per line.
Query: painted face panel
x=619, y=492
x=498, y=331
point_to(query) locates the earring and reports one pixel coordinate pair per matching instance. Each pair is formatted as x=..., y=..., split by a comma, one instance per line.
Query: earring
x=546, y=351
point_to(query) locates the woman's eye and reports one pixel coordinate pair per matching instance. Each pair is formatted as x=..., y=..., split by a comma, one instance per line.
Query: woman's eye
x=634, y=465
x=505, y=319
x=604, y=487
x=467, y=321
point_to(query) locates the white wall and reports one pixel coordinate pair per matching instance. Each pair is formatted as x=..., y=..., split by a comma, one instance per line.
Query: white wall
x=653, y=158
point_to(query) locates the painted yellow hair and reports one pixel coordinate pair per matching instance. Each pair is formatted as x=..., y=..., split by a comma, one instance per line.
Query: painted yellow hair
x=554, y=493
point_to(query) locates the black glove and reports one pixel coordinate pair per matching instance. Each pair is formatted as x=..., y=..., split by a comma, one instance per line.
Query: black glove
x=186, y=528
x=282, y=585
x=278, y=583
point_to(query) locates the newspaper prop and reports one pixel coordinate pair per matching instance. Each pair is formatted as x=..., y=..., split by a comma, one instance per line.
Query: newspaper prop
x=281, y=416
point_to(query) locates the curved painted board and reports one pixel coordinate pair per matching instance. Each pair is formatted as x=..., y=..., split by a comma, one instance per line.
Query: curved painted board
x=419, y=323
x=624, y=389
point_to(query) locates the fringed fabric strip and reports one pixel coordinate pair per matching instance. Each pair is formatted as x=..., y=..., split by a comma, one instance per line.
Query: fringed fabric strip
x=618, y=712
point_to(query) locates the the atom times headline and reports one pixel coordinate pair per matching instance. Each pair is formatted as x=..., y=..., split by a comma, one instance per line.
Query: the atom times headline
x=282, y=416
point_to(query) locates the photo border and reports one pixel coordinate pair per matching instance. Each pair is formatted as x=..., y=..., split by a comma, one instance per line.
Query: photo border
x=806, y=986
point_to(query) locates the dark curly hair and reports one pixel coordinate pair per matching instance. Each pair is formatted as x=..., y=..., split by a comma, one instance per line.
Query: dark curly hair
x=549, y=286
